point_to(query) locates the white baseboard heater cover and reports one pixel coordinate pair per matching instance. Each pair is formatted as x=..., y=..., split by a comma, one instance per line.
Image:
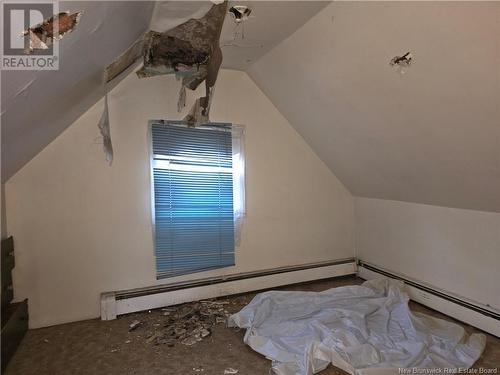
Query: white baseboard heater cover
x=462, y=309
x=125, y=302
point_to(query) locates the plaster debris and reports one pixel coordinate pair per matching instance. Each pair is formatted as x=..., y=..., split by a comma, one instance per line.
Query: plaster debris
x=153, y=337
x=41, y=36
x=134, y=325
x=168, y=310
x=188, y=324
x=230, y=370
x=190, y=51
x=402, y=62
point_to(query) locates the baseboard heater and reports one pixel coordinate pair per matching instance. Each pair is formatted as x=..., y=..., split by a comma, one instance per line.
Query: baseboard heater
x=470, y=312
x=128, y=301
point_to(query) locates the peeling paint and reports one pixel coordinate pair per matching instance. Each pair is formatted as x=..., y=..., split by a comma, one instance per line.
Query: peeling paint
x=41, y=36
x=106, y=132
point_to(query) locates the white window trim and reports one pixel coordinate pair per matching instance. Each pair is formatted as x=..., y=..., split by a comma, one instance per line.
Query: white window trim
x=239, y=175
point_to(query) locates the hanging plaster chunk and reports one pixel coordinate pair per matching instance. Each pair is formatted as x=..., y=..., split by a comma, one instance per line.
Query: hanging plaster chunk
x=196, y=115
x=42, y=36
x=187, y=49
x=106, y=132
x=192, y=52
x=167, y=54
x=401, y=63
x=181, y=103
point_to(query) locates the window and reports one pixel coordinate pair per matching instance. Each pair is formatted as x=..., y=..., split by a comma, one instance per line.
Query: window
x=198, y=178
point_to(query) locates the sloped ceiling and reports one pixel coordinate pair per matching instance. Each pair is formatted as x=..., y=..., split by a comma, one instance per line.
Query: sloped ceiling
x=270, y=22
x=429, y=136
x=38, y=105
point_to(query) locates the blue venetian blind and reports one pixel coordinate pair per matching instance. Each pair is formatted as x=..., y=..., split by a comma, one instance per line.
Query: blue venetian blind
x=193, y=188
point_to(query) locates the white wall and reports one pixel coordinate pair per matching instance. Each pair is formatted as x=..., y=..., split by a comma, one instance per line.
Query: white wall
x=81, y=227
x=452, y=249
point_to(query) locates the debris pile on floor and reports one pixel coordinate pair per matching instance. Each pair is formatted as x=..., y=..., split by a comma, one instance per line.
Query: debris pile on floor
x=188, y=323
x=134, y=325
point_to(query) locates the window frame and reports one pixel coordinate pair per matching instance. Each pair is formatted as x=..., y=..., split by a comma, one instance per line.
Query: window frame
x=238, y=134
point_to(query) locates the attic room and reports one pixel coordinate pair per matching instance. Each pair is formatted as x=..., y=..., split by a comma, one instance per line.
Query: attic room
x=255, y=187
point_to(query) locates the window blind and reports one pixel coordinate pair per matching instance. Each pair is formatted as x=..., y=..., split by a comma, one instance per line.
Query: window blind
x=193, y=198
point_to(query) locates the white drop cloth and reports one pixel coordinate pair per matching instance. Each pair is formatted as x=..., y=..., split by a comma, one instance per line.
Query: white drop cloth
x=366, y=330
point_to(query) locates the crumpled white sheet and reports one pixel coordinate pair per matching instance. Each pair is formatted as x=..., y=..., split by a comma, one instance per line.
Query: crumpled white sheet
x=364, y=330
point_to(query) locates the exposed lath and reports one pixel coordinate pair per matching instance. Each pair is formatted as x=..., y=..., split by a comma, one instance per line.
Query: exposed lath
x=41, y=36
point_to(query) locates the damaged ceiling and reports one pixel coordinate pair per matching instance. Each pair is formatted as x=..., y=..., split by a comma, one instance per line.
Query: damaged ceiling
x=400, y=100
x=38, y=105
x=269, y=23
x=430, y=135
